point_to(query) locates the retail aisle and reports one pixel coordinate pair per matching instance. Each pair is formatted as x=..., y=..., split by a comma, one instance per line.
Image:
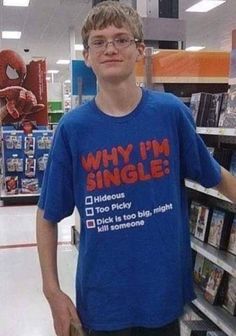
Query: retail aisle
x=24, y=311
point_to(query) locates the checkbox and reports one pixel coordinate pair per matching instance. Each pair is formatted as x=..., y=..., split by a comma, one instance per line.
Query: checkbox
x=89, y=211
x=90, y=223
x=89, y=200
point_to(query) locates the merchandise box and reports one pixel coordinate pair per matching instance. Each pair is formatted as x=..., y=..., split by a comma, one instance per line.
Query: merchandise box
x=228, y=118
x=211, y=117
x=11, y=185
x=202, y=226
x=229, y=302
x=199, y=105
x=206, y=271
x=220, y=226
x=232, y=238
x=75, y=237
x=198, y=328
x=193, y=216
x=232, y=166
x=214, y=282
x=25, y=159
x=198, y=268
x=223, y=108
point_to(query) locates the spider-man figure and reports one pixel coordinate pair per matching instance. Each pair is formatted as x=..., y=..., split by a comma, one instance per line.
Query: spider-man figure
x=19, y=102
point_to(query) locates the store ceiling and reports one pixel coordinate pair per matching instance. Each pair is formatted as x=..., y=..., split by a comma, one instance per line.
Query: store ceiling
x=45, y=26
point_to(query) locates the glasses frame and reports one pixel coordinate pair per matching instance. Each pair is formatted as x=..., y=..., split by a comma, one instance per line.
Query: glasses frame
x=103, y=47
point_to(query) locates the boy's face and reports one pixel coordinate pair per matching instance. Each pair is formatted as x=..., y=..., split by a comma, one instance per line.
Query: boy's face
x=112, y=61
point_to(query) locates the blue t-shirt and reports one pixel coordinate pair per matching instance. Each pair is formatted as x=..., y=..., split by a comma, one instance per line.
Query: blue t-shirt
x=126, y=177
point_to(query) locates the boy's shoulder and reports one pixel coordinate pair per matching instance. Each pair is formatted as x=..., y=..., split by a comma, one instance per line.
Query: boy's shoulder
x=79, y=114
x=164, y=97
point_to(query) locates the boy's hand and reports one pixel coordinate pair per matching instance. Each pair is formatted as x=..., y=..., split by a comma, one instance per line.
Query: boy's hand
x=63, y=312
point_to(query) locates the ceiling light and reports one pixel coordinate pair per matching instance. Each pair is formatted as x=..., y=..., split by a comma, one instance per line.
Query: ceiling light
x=63, y=61
x=18, y=3
x=79, y=47
x=53, y=71
x=195, y=48
x=11, y=34
x=205, y=5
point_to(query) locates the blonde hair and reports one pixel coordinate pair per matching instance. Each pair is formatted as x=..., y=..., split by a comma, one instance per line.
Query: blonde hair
x=109, y=13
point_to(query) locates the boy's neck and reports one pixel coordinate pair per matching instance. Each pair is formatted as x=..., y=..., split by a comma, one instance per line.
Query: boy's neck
x=118, y=101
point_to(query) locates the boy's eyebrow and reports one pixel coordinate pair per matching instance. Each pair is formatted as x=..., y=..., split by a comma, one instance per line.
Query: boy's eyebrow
x=115, y=35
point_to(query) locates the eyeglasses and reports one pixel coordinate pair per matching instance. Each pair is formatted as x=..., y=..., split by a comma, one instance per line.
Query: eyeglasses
x=118, y=43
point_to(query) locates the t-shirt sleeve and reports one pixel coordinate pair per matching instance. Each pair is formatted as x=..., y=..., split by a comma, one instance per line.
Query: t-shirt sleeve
x=57, y=193
x=196, y=161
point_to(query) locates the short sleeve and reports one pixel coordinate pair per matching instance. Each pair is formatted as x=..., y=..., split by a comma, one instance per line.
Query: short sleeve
x=196, y=161
x=57, y=193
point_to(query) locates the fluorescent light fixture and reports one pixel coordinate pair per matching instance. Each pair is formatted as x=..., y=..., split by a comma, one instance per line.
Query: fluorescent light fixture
x=195, y=48
x=79, y=47
x=67, y=81
x=11, y=34
x=53, y=71
x=63, y=61
x=48, y=78
x=205, y=5
x=17, y=3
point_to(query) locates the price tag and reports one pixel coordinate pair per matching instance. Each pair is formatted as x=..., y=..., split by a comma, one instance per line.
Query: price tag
x=221, y=131
x=206, y=191
x=233, y=271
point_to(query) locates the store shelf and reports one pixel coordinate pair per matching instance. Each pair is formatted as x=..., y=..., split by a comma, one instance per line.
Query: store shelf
x=56, y=112
x=217, y=314
x=3, y=196
x=222, y=258
x=217, y=131
x=209, y=191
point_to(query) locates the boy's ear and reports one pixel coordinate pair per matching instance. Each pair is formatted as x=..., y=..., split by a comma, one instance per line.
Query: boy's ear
x=86, y=58
x=140, y=49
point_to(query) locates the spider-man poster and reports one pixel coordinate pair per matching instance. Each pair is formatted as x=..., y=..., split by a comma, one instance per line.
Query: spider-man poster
x=23, y=90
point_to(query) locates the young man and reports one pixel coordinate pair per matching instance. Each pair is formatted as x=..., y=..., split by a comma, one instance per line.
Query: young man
x=121, y=159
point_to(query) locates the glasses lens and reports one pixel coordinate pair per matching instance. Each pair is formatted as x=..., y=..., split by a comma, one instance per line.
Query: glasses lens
x=98, y=44
x=122, y=42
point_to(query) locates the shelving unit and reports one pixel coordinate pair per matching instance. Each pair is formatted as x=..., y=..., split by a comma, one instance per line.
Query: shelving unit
x=218, y=315
x=30, y=152
x=209, y=191
x=224, y=259
x=192, y=73
x=217, y=131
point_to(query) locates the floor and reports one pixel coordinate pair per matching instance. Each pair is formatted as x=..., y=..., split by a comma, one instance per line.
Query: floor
x=24, y=311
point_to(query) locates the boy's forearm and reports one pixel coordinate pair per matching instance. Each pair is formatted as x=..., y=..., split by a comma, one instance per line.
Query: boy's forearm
x=46, y=233
x=227, y=186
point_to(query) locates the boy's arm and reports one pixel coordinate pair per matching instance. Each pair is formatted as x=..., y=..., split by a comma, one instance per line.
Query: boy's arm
x=227, y=185
x=63, y=309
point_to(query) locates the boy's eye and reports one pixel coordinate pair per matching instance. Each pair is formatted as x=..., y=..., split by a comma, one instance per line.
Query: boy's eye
x=98, y=43
x=122, y=40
